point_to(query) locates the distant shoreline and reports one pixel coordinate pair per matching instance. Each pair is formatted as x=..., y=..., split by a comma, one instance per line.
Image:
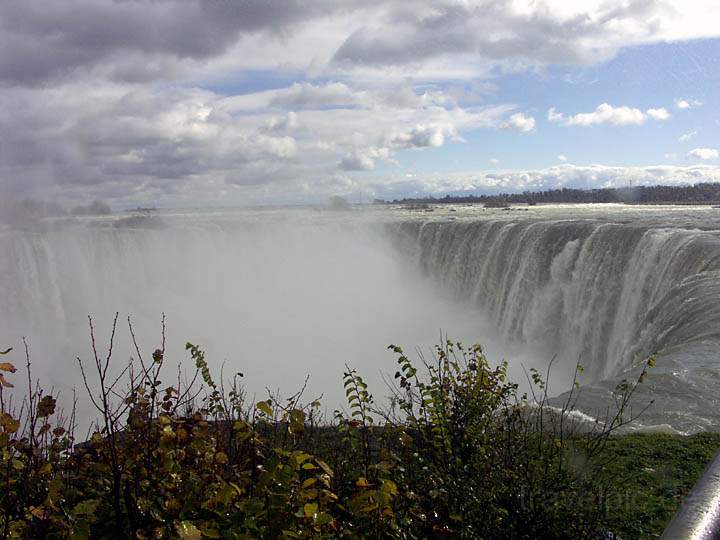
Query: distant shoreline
x=695, y=195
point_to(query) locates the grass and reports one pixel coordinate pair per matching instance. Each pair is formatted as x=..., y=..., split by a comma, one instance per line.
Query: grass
x=657, y=471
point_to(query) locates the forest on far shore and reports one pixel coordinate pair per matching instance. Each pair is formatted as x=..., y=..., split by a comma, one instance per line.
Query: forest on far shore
x=705, y=193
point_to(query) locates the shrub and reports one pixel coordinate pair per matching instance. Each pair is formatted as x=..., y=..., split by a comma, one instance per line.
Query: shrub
x=456, y=453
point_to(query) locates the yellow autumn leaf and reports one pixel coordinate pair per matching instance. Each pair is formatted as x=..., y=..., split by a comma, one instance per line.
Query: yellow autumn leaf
x=362, y=482
x=310, y=509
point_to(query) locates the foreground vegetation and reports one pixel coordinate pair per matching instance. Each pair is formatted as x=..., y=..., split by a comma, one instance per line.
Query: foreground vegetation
x=458, y=453
x=652, y=472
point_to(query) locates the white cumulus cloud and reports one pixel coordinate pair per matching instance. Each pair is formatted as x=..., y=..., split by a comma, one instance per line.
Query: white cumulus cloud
x=562, y=157
x=687, y=136
x=658, y=114
x=558, y=176
x=704, y=153
x=519, y=122
x=608, y=114
x=420, y=136
x=684, y=104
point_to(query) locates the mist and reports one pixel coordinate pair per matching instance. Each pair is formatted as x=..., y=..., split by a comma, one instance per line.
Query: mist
x=276, y=295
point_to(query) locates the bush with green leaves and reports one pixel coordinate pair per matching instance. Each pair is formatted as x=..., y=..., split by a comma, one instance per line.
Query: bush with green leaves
x=454, y=452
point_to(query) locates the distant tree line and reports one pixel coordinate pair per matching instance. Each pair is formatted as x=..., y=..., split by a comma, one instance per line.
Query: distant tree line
x=705, y=193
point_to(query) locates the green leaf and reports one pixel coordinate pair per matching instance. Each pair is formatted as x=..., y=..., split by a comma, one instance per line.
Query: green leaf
x=297, y=416
x=389, y=487
x=324, y=466
x=264, y=407
x=210, y=532
x=86, y=508
x=322, y=519
x=187, y=531
x=308, y=483
x=8, y=423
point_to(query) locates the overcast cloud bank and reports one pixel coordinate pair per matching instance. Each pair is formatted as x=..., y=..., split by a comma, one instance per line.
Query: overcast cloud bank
x=132, y=101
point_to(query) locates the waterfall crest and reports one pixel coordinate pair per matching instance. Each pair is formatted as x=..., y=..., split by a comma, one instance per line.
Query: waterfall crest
x=605, y=294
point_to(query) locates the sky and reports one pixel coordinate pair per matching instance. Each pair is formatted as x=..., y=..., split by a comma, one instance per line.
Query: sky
x=187, y=103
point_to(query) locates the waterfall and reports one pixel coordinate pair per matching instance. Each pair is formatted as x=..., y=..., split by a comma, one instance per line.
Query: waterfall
x=281, y=296
x=604, y=294
x=275, y=295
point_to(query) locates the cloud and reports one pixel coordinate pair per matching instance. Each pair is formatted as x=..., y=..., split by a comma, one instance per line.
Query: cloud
x=135, y=40
x=310, y=96
x=519, y=33
x=150, y=40
x=519, y=122
x=110, y=139
x=671, y=155
x=683, y=104
x=357, y=162
x=340, y=95
x=494, y=161
x=284, y=123
x=556, y=177
x=608, y=114
x=111, y=99
x=687, y=136
x=562, y=158
x=704, y=153
x=392, y=186
x=364, y=160
x=144, y=145
x=658, y=114
x=420, y=136
x=554, y=116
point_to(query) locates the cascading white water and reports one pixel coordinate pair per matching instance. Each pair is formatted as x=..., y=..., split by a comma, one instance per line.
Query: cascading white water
x=604, y=294
x=282, y=294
